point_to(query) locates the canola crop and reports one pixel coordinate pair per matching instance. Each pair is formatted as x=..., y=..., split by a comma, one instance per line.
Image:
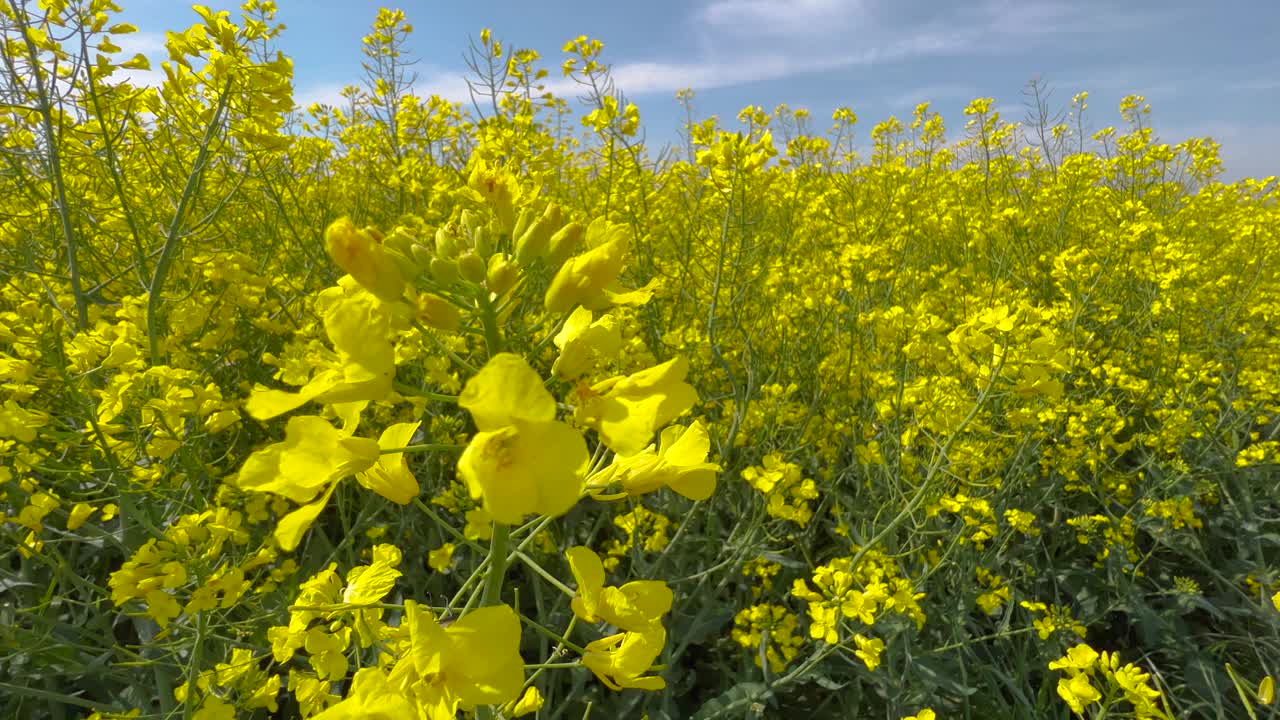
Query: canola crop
x=408, y=408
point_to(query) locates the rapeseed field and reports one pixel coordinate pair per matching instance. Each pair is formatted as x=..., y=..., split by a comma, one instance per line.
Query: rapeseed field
x=408, y=408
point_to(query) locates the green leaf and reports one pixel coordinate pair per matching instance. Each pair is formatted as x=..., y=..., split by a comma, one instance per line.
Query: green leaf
x=736, y=702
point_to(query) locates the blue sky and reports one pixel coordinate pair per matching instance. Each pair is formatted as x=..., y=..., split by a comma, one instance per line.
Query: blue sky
x=1207, y=68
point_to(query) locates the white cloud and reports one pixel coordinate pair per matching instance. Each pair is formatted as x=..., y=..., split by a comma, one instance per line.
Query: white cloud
x=764, y=18
x=150, y=44
x=147, y=43
x=324, y=94
x=935, y=95
x=807, y=36
x=1258, y=84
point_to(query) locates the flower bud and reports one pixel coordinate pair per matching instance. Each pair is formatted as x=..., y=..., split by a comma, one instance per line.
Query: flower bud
x=407, y=267
x=534, y=243
x=446, y=243
x=434, y=311
x=565, y=243
x=400, y=240
x=471, y=267
x=470, y=221
x=421, y=254
x=444, y=271
x=361, y=255
x=523, y=222
x=501, y=275
x=483, y=241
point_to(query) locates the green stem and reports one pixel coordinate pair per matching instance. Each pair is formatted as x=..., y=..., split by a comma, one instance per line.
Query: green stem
x=534, y=566
x=444, y=526
x=54, y=163
x=423, y=448
x=189, y=193
x=497, y=565
x=405, y=389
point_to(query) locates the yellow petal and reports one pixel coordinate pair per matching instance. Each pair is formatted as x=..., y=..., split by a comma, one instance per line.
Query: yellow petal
x=588, y=573
x=628, y=411
x=390, y=477
x=313, y=455
x=371, y=697
x=506, y=390
x=697, y=485
x=639, y=296
x=290, y=528
x=357, y=326
x=485, y=667
x=583, y=279
x=368, y=584
x=582, y=342
x=266, y=403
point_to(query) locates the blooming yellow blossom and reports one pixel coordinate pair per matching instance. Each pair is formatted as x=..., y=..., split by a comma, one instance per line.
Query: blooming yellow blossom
x=530, y=702
x=522, y=461
x=583, y=342
x=305, y=468
x=79, y=513
x=636, y=606
x=869, y=650
x=621, y=661
x=1077, y=692
x=584, y=279
x=441, y=558
x=390, y=476
x=364, y=367
x=627, y=411
x=678, y=463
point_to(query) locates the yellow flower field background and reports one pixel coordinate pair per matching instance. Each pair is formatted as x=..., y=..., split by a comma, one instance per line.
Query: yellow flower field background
x=404, y=408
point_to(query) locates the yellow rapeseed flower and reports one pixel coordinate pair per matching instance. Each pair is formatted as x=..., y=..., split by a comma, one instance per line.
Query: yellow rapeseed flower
x=305, y=468
x=636, y=606
x=583, y=342
x=523, y=461
x=621, y=661
x=680, y=463
x=627, y=411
